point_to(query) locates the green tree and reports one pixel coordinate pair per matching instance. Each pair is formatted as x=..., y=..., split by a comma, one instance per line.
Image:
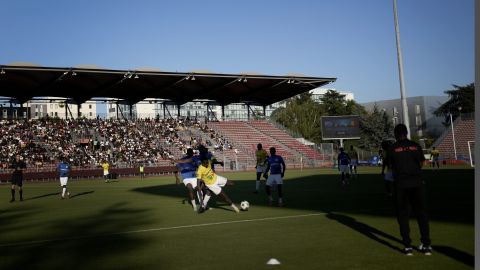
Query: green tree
x=461, y=97
x=301, y=115
x=334, y=104
x=375, y=127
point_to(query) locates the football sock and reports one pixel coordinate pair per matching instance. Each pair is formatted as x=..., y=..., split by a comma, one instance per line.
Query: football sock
x=194, y=204
x=13, y=193
x=280, y=192
x=21, y=193
x=63, y=191
x=257, y=185
x=199, y=195
x=205, y=200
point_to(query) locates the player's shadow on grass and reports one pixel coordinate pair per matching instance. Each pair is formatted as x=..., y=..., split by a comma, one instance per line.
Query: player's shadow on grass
x=367, y=230
x=81, y=194
x=386, y=239
x=43, y=196
x=455, y=254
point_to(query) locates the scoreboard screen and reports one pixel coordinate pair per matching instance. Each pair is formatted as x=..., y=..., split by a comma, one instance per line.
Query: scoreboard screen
x=340, y=127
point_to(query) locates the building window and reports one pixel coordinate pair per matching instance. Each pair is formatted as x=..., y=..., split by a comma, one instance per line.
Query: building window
x=418, y=120
x=417, y=109
x=90, y=106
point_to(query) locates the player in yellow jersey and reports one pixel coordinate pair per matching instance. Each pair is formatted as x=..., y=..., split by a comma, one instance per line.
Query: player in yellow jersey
x=434, y=155
x=105, y=167
x=261, y=164
x=142, y=170
x=206, y=175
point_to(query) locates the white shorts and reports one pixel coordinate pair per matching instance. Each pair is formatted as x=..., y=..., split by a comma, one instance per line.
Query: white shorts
x=192, y=181
x=261, y=168
x=344, y=169
x=105, y=173
x=216, y=187
x=63, y=181
x=274, y=179
x=353, y=162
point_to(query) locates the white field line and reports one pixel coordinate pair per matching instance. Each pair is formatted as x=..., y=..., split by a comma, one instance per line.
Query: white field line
x=156, y=229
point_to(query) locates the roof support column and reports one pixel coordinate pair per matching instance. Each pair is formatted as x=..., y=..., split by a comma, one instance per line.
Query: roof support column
x=264, y=111
x=78, y=110
x=223, y=112
x=66, y=110
x=21, y=110
x=178, y=111
x=248, y=111
x=207, y=115
x=131, y=111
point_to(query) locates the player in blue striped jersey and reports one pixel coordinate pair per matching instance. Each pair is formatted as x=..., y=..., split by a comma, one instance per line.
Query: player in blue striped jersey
x=343, y=161
x=276, y=166
x=63, y=170
x=188, y=167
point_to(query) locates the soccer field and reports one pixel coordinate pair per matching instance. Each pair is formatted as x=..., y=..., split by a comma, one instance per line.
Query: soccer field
x=148, y=224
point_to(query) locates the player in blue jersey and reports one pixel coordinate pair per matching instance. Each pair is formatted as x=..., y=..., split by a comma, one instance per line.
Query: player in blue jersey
x=63, y=170
x=188, y=167
x=343, y=160
x=276, y=166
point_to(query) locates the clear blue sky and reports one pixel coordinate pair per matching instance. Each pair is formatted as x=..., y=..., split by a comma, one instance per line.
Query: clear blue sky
x=351, y=40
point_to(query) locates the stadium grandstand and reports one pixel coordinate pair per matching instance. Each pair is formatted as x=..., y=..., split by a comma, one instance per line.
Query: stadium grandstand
x=457, y=143
x=127, y=143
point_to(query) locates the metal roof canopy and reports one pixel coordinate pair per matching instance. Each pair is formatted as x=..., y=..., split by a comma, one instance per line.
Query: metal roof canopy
x=24, y=83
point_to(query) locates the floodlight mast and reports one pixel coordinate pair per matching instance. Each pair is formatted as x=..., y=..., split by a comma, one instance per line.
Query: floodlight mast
x=400, y=71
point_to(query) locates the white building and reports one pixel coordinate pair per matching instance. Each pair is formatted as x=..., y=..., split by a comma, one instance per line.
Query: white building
x=420, y=113
x=202, y=109
x=318, y=93
x=54, y=108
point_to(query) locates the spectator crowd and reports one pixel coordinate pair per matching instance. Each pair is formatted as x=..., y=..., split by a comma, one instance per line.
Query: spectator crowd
x=86, y=142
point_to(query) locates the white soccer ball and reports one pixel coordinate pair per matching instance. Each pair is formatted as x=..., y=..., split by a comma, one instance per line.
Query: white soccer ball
x=244, y=205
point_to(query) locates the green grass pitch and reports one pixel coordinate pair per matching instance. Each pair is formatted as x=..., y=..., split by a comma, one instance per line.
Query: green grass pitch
x=148, y=224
